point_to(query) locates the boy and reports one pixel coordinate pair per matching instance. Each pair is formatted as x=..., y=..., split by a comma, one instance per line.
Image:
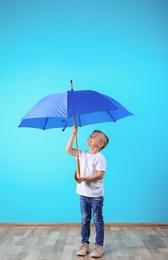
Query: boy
x=90, y=189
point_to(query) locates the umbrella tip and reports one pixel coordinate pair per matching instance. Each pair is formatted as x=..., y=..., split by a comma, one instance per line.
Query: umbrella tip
x=71, y=85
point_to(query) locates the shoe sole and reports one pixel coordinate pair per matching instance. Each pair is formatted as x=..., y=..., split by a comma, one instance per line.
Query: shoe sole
x=82, y=254
x=97, y=256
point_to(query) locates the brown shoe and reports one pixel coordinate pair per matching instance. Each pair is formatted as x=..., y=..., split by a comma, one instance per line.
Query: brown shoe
x=98, y=251
x=83, y=250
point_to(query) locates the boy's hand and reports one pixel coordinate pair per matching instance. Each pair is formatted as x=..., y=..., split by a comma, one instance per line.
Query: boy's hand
x=74, y=130
x=79, y=180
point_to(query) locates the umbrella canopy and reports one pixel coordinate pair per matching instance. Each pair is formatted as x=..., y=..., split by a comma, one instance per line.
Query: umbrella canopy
x=87, y=106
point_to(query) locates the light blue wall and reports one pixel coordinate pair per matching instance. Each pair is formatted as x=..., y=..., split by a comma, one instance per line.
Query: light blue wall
x=119, y=48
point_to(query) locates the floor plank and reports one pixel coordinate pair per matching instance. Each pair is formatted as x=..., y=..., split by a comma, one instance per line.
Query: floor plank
x=61, y=243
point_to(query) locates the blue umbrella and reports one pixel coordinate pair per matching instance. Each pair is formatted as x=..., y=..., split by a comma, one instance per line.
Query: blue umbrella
x=70, y=108
x=87, y=106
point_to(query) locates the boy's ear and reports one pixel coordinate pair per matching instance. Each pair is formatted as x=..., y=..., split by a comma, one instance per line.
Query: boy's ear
x=101, y=144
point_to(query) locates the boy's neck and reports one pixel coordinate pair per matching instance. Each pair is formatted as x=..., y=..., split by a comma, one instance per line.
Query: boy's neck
x=94, y=151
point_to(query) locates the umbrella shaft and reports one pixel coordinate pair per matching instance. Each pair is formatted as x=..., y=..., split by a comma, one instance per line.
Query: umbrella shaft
x=77, y=154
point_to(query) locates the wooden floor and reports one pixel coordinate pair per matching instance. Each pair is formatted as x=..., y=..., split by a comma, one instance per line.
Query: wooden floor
x=54, y=242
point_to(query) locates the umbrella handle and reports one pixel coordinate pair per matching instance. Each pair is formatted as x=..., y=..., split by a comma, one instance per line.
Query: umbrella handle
x=75, y=176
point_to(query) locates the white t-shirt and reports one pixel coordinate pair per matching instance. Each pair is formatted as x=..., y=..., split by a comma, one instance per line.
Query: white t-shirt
x=89, y=163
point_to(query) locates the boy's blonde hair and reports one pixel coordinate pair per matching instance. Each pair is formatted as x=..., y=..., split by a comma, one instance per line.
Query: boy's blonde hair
x=105, y=138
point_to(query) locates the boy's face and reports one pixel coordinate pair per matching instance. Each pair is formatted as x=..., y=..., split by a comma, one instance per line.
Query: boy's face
x=95, y=140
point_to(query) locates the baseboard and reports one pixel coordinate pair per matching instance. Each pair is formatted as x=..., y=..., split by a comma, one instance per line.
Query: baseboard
x=61, y=224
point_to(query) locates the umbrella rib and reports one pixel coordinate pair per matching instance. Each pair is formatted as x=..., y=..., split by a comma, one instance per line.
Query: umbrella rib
x=45, y=123
x=111, y=116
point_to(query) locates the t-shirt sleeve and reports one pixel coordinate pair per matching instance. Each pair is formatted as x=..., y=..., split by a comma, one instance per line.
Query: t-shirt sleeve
x=101, y=164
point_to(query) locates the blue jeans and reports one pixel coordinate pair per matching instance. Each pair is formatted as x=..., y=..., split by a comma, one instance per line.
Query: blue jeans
x=91, y=206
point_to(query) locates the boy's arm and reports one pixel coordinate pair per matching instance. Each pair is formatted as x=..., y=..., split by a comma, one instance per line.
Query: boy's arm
x=69, y=148
x=98, y=175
